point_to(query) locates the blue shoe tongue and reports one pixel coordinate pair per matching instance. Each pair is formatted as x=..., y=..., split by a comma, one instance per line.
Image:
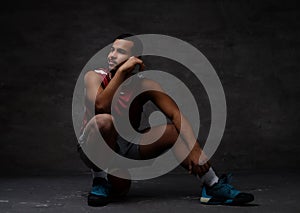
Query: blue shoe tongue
x=99, y=181
x=227, y=178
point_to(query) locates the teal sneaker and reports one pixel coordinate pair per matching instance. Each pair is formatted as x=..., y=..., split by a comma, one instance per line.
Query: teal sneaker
x=223, y=193
x=99, y=195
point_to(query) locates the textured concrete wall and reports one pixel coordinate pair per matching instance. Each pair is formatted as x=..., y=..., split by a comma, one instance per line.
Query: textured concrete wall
x=253, y=45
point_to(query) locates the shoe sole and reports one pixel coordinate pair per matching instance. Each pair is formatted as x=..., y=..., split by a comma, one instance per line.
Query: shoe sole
x=97, y=201
x=213, y=201
x=220, y=201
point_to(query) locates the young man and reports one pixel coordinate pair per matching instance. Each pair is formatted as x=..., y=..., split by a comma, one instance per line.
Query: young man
x=101, y=85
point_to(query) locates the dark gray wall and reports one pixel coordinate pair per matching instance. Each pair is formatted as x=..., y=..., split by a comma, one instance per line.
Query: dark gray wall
x=253, y=45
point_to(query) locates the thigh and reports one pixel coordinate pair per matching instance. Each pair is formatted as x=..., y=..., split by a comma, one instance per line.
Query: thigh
x=165, y=142
x=101, y=126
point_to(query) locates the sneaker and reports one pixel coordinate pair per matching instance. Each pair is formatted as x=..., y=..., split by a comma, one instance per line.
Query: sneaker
x=99, y=195
x=223, y=193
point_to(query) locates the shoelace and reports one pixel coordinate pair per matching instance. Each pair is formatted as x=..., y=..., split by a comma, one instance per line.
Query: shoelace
x=225, y=183
x=226, y=179
x=227, y=187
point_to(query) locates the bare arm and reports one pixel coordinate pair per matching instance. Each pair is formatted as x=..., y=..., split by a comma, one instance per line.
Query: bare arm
x=170, y=109
x=182, y=125
x=92, y=82
x=102, y=98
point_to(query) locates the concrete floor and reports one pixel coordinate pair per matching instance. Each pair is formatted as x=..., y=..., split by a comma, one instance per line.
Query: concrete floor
x=170, y=193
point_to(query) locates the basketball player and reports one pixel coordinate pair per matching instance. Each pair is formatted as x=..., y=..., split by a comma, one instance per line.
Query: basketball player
x=101, y=85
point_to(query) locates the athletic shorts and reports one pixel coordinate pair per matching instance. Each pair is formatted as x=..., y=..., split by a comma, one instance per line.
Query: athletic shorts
x=124, y=148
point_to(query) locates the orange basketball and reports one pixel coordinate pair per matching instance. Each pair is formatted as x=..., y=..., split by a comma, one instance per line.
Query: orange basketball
x=120, y=186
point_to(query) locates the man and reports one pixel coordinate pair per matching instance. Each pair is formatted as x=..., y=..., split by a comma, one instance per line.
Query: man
x=101, y=86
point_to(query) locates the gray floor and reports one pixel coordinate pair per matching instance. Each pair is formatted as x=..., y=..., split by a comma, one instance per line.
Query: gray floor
x=171, y=193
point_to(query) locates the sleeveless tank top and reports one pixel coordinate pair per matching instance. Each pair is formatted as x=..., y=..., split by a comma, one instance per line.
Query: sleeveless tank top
x=124, y=100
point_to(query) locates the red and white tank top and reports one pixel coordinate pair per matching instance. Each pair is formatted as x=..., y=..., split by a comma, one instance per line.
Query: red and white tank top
x=124, y=99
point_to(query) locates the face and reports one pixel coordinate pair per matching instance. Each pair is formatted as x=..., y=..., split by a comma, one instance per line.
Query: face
x=119, y=52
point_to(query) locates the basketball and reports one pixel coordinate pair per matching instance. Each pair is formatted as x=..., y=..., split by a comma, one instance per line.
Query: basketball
x=120, y=186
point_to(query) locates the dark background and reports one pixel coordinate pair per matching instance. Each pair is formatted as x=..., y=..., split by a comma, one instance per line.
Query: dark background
x=253, y=46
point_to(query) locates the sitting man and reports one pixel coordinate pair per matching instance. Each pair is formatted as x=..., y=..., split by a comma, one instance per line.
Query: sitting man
x=101, y=85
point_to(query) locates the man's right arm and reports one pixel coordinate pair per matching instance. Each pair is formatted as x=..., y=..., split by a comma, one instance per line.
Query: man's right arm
x=105, y=96
x=102, y=98
x=92, y=82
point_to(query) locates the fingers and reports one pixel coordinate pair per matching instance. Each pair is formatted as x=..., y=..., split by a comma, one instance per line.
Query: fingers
x=206, y=167
x=141, y=63
x=137, y=61
x=142, y=67
x=128, y=65
x=200, y=170
x=196, y=168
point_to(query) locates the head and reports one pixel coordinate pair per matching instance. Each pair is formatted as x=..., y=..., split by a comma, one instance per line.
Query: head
x=123, y=47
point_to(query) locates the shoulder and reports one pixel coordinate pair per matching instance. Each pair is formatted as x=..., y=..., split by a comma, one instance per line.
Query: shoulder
x=93, y=77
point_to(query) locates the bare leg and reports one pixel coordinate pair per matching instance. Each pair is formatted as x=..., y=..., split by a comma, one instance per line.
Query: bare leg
x=165, y=142
x=101, y=124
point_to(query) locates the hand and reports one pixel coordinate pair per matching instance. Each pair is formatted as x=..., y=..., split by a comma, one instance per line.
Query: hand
x=198, y=161
x=128, y=66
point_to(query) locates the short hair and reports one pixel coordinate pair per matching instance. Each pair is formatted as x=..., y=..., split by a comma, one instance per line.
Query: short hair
x=137, y=48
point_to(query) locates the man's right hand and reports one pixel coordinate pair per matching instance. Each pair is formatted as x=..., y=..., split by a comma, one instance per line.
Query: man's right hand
x=128, y=66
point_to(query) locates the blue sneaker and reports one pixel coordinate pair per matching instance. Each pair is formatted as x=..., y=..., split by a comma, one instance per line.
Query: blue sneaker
x=99, y=195
x=223, y=193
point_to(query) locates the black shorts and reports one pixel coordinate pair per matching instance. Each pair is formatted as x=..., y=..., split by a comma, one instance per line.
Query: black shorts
x=124, y=148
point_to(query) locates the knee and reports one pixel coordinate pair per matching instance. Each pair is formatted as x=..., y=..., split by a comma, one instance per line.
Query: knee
x=104, y=122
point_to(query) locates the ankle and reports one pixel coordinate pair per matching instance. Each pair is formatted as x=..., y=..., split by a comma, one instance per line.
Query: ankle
x=209, y=178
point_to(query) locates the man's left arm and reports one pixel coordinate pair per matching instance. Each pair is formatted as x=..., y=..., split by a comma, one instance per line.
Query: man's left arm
x=182, y=125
